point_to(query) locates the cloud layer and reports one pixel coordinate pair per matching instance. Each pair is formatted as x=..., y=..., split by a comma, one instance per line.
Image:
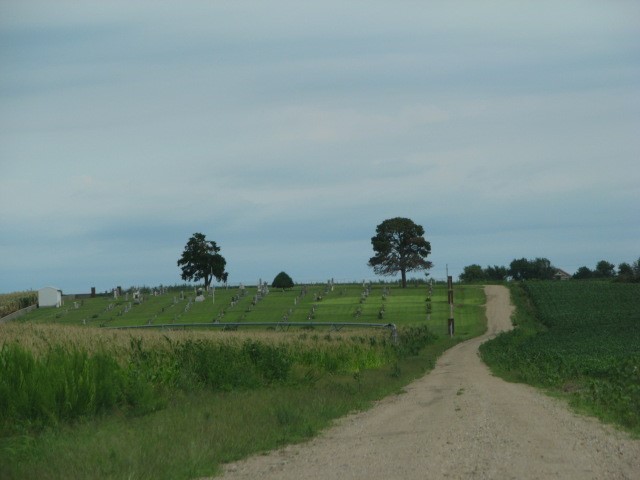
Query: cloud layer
x=287, y=131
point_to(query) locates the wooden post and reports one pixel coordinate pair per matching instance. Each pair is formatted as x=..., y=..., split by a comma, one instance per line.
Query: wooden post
x=451, y=325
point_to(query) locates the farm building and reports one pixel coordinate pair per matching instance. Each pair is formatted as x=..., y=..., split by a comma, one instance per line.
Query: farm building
x=49, y=297
x=561, y=275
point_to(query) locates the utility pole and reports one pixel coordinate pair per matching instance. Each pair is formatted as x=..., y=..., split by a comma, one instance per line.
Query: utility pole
x=450, y=295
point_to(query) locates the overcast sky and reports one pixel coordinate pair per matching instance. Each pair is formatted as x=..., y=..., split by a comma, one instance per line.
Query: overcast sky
x=286, y=131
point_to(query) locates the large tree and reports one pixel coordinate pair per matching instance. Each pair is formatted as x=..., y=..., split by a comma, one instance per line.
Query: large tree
x=605, y=269
x=473, y=273
x=583, y=273
x=200, y=260
x=538, y=269
x=399, y=246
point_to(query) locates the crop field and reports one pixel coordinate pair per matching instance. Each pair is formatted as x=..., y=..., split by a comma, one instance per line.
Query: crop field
x=12, y=302
x=582, y=341
x=79, y=399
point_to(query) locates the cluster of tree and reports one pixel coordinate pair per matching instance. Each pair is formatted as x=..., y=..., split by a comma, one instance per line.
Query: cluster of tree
x=542, y=269
x=606, y=270
x=519, y=269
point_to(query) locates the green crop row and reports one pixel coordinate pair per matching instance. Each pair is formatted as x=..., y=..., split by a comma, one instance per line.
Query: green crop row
x=584, y=343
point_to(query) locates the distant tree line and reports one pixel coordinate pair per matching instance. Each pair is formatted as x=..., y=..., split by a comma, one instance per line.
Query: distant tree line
x=543, y=269
x=606, y=270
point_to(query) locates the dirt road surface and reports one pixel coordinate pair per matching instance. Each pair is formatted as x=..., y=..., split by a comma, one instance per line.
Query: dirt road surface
x=458, y=422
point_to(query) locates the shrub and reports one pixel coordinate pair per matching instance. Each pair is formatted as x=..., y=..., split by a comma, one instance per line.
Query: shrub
x=282, y=280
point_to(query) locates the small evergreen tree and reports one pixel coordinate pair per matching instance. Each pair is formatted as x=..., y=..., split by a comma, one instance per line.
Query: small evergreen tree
x=282, y=280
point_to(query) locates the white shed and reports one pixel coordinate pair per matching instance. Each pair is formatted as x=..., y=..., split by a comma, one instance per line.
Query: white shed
x=49, y=297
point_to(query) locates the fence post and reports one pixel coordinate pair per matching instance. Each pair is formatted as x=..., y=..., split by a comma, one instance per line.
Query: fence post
x=452, y=326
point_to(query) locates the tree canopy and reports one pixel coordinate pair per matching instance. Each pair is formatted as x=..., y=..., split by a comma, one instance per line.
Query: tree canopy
x=473, y=273
x=399, y=246
x=542, y=269
x=200, y=260
x=282, y=280
x=538, y=269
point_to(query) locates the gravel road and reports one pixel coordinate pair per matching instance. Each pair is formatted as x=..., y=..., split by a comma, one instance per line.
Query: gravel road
x=458, y=421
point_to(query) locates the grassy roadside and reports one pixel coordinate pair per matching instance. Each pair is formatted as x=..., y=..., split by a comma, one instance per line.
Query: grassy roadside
x=200, y=430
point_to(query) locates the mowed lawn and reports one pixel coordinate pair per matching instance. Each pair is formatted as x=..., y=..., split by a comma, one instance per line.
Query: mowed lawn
x=344, y=303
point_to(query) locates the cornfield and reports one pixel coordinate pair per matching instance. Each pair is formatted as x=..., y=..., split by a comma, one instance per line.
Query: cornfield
x=12, y=302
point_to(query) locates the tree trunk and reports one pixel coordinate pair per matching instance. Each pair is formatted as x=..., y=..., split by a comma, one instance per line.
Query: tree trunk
x=403, y=272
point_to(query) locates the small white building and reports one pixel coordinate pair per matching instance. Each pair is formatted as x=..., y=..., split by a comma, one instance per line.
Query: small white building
x=49, y=297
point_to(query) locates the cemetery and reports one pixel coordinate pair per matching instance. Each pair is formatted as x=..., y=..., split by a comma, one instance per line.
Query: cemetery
x=312, y=304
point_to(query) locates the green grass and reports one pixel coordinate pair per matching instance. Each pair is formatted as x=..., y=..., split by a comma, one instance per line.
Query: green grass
x=402, y=307
x=195, y=420
x=578, y=340
x=198, y=432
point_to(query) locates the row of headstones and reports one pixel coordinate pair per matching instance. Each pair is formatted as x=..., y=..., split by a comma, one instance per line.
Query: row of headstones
x=366, y=291
x=328, y=288
x=235, y=299
x=188, y=305
x=297, y=299
x=285, y=317
x=263, y=291
x=301, y=295
x=312, y=312
x=386, y=291
x=117, y=293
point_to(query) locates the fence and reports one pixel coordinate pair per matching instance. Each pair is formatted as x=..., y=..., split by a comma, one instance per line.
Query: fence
x=282, y=326
x=18, y=314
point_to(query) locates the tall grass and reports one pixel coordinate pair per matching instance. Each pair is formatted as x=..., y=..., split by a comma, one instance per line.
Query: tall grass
x=200, y=430
x=64, y=382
